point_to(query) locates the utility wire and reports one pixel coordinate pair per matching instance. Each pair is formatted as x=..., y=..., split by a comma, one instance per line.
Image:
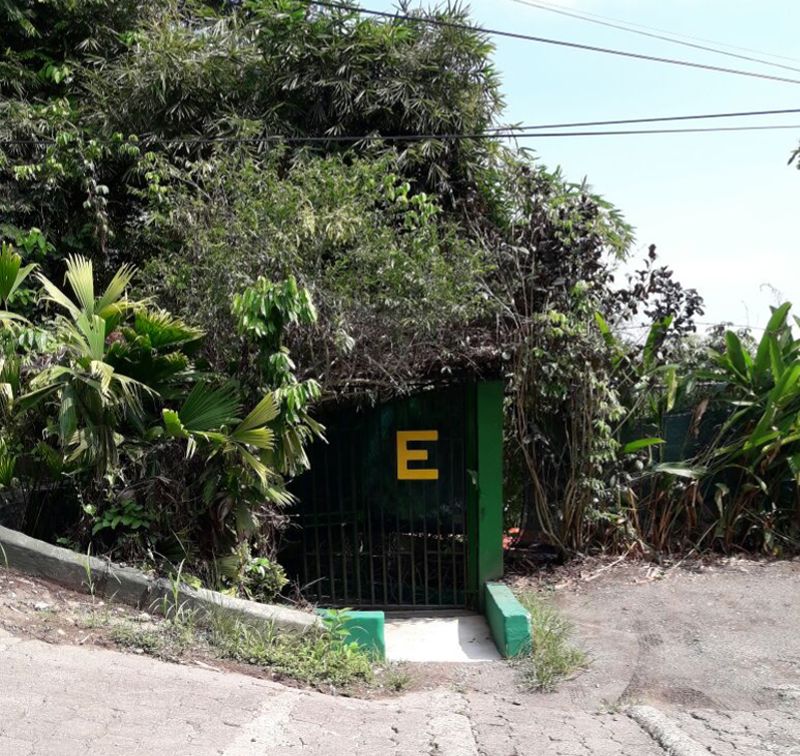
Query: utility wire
x=717, y=43
x=549, y=41
x=621, y=121
x=351, y=139
x=652, y=35
x=508, y=131
x=711, y=323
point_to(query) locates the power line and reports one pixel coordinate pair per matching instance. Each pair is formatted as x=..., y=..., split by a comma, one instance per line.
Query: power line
x=620, y=121
x=509, y=131
x=711, y=323
x=686, y=36
x=652, y=35
x=549, y=41
x=353, y=139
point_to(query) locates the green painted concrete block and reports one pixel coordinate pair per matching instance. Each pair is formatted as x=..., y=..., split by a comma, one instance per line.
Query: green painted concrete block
x=509, y=621
x=364, y=628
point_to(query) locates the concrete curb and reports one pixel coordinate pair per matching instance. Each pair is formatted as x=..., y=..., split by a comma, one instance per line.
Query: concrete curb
x=509, y=621
x=366, y=628
x=667, y=734
x=88, y=574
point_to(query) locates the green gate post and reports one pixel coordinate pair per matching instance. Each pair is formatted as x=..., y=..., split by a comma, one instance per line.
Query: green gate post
x=489, y=531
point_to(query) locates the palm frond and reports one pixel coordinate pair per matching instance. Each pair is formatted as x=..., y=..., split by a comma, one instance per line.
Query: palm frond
x=264, y=412
x=94, y=332
x=258, y=467
x=105, y=373
x=164, y=329
x=80, y=274
x=261, y=438
x=67, y=414
x=6, y=316
x=53, y=294
x=116, y=287
x=208, y=408
x=32, y=398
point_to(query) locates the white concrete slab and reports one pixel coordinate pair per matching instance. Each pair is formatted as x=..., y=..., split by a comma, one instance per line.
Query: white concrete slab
x=463, y=638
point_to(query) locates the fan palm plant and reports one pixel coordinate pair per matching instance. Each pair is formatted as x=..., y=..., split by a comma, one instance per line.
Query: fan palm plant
x=114, y=358
x=93, y=398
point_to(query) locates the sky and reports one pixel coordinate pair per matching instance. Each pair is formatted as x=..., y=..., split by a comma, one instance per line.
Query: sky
x=722, y=208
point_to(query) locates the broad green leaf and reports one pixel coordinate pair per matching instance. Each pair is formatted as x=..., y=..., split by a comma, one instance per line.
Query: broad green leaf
x=671, y=384
x=10, y=263
x=680, y=471
x=654, y=337
x=777, y=365
x=776, y=323
x=739, y=359
x=756, y=441
x=785, y=389
x=604, y=329
x=12, y=274
x=764, y=424
x=67, y=414
x=641, y=443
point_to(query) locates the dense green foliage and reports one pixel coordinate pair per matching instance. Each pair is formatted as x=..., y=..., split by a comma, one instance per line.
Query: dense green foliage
x=197, y=141
x=109, y=115
x=748, y=463
x=103, y=401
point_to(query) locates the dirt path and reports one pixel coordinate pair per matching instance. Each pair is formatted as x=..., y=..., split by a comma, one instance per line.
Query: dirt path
x=721, y=636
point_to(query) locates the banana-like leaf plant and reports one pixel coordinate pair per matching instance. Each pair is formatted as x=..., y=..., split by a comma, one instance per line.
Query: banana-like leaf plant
x=754, y=460
x=12, y=275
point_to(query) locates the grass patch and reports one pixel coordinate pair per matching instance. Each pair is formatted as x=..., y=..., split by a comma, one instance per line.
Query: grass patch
x=319, y=657
x=129, y=636
x=553, y=657
x=395, y=678
x=166, y=639
x=313, y=657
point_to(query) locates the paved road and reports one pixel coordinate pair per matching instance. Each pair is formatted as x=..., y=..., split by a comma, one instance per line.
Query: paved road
x=63, y=700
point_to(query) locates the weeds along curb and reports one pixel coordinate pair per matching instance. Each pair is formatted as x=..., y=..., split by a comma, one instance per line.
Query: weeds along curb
x=88, y=574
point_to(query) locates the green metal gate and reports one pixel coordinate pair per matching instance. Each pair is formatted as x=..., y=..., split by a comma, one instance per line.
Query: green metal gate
x=383, y=513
